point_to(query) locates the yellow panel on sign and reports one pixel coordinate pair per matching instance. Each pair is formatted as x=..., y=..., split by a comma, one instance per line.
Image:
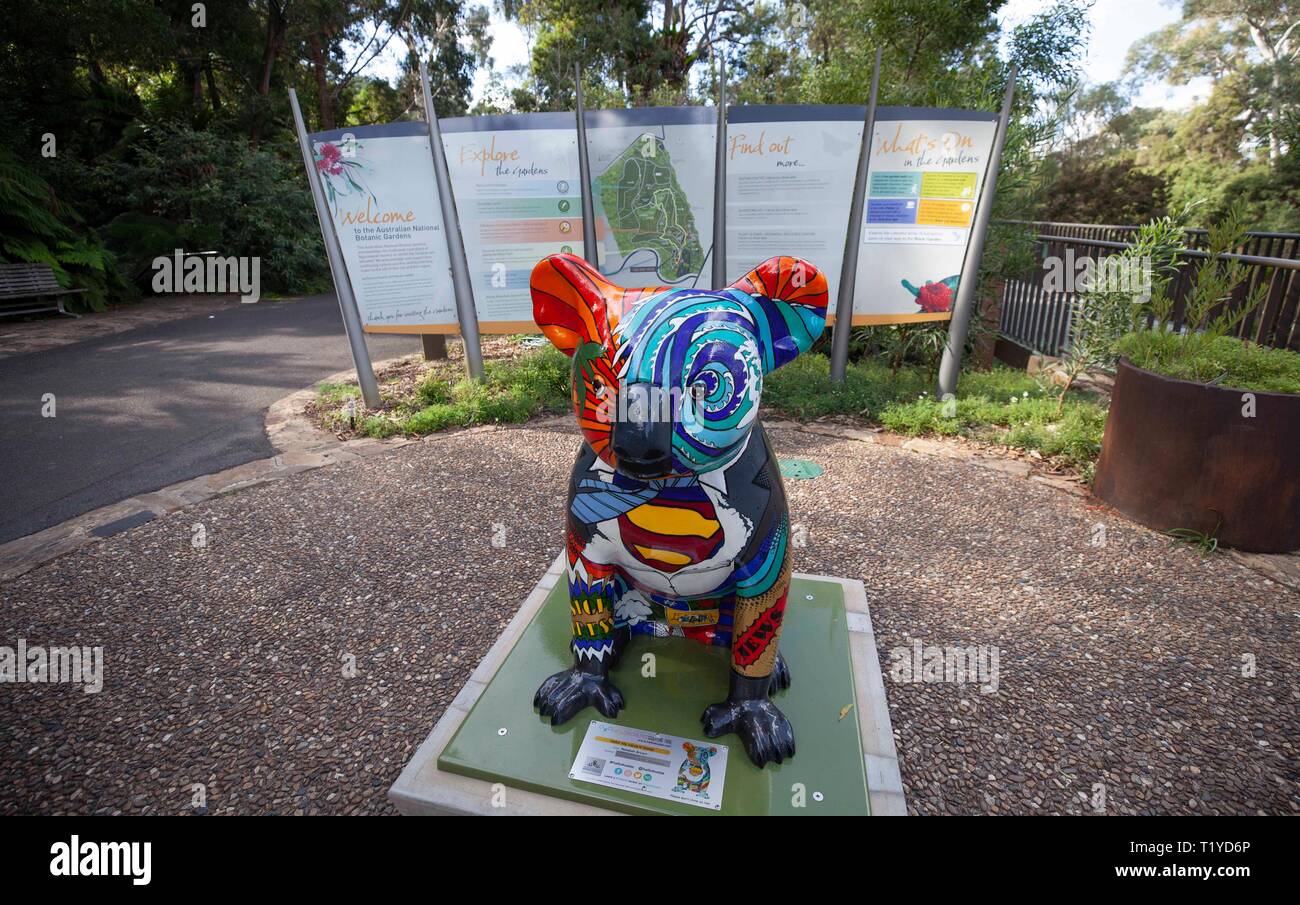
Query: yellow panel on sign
x=948, y=185
x=930, y=212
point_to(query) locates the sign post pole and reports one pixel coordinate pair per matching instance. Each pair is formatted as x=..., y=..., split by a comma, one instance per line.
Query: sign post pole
x=589, y=252
x=720, y=185
x=849, y=266
x=959, y=326
x=464, y=292
x=338, y=270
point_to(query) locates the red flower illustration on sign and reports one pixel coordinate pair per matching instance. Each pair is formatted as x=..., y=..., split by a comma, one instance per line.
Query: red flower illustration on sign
x=328, y=159
x=934, y=298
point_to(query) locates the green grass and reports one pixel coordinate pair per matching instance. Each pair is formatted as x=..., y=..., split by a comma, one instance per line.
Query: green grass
x=1001, y=405
x=1228, y=361
x=511, y=391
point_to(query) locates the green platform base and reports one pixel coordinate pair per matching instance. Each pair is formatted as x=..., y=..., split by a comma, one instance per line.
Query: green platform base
x=827, y=774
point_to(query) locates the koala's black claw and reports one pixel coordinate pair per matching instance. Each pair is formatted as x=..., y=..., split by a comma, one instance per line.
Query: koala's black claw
x=764, y=729
x=780, y=676
x=563, y=695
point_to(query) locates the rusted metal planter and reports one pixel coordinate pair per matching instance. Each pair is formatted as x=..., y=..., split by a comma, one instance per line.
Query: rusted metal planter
x=1178, y=454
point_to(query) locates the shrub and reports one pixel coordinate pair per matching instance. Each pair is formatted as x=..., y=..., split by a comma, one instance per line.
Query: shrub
x=1226, y=360
x=214, y=192
x=512, y=390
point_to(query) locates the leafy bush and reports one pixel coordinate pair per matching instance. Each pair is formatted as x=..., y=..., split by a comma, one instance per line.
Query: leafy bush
x=1107, y=319
x=35, y=228
x=1227, y=361
x=213, y=192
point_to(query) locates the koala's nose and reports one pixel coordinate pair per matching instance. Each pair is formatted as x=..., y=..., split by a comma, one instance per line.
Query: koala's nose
x=643, y=433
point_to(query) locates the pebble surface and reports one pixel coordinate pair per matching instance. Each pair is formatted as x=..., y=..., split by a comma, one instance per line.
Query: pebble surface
x=293, y=661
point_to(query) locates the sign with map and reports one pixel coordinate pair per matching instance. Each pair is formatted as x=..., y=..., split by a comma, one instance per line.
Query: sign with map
x=652, y=190
x=518, y=198
x=924, y=179
x=790, y=174
x=383, y=202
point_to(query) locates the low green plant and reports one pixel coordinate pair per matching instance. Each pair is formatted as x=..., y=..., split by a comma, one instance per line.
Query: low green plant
x=803, y=388
x=1223, y=360
x=511, y=391
x=1032, y=421
x=1206, y=542
x=1000, y=405
x=1113, y=321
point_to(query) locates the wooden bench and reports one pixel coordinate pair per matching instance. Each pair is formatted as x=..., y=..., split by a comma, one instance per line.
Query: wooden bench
x=31, y=289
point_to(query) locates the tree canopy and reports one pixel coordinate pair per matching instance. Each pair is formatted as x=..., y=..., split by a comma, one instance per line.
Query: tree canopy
x=122, y=118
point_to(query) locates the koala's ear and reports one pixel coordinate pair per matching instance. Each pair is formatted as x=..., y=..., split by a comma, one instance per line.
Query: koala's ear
x=570, y=302
x=574, y=304
x=789, y=303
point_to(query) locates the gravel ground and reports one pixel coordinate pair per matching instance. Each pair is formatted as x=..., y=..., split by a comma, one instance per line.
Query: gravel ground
x=1120, y=659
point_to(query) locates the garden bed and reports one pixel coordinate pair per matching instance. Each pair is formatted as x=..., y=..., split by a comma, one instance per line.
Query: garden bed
x=1002, y=411
x=1212, y=461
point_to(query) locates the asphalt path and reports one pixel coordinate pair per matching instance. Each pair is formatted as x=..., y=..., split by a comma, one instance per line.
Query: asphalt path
x=145, y=408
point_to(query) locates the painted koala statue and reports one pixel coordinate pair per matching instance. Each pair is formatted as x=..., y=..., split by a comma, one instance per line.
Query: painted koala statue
x=694, y=774
x=677, y=521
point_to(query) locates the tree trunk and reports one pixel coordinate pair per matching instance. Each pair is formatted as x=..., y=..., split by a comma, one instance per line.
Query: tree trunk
x=212, y=87
x=1272, y=54
x=275, y=26
x=324, y=100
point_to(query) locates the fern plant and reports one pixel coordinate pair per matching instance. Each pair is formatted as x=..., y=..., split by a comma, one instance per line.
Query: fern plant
x=34, y=229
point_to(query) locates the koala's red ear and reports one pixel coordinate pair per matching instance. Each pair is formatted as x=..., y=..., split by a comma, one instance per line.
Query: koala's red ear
x=574, y=304
x=570, y=302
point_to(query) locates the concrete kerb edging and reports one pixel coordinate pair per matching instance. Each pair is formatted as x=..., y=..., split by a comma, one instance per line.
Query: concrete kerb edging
x=423, y=789
x=300, y=446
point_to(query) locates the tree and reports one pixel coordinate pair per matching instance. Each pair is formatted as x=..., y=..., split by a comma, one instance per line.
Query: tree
x=1256, y=40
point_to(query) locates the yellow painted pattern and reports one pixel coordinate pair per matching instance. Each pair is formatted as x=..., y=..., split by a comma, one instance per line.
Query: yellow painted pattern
x=669, y=556
x=672, y=520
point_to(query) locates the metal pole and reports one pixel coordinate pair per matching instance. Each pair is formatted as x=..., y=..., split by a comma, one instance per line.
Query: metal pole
x=720, y=185
x=959, y=326
x=589, y=252
x=849, y=266
x=460, y=284
x=338, y=270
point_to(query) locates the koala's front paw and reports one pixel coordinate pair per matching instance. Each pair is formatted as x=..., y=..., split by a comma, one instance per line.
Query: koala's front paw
x=562, y=695
x=767, y=734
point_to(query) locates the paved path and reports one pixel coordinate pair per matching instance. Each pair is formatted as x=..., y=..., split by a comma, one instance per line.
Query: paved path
x=150, y=406
x=294, y=663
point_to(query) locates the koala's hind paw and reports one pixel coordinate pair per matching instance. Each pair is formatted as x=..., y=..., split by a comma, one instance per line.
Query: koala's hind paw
x=780, y=676
x=767, y=734
x=564, y=694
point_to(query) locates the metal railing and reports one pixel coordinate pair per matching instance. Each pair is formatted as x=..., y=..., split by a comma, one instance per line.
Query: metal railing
x=1039, y=319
